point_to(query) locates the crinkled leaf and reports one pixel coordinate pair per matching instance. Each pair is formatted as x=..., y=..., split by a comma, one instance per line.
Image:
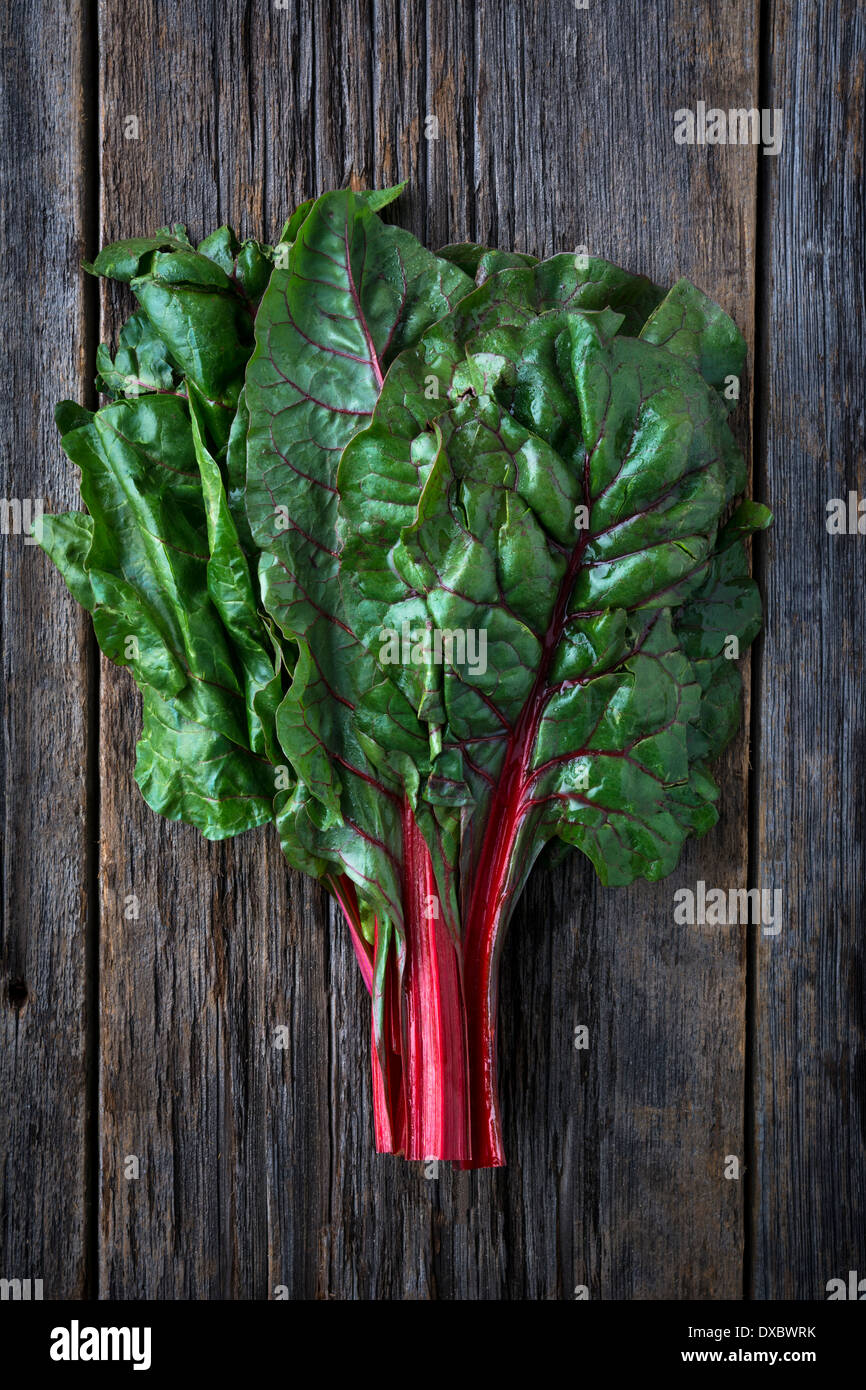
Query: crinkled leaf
x=354, y=292
x=480, y=262
x=123, y=260
x=195, y=320
x=374, y=199
x=235, y=472
x=140, y=563
x=186, y=770
x=535, y=475
x=716, y=624
x=141, y=364
x=231, y=590
x=690, y=325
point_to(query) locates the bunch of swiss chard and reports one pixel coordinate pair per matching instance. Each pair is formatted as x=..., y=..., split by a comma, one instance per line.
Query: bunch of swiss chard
x=431, y=559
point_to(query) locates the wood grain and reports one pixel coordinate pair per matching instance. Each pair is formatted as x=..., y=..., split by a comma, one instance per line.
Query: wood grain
x=227, y=1018
x=260, y=1168
x=44, y=946
x=809, y=1209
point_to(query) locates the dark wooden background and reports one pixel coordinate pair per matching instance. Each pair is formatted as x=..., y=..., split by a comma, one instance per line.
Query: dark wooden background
x=154, y=1036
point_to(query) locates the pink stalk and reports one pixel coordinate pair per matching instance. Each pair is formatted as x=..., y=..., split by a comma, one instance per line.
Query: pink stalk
x=343, y=890
x=435, y=1051
x=389, y=1107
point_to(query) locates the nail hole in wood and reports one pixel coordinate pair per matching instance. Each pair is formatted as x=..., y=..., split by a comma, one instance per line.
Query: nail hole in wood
x=18, y=993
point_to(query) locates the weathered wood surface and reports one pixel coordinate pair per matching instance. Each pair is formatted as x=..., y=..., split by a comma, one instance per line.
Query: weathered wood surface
x=810, y=985
x=608, y=1149
x=554, y=131
x=47, y=666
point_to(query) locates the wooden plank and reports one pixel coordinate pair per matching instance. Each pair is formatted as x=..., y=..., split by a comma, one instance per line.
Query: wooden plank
x=44, y=931
x=809, y=1207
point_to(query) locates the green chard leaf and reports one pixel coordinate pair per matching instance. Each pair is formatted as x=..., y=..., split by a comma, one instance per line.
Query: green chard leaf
x=140, y=366
x=353, y=294
x=557, y=497
x=480, y=262
x=195, y=322
x=140, y=564
x=159, y=561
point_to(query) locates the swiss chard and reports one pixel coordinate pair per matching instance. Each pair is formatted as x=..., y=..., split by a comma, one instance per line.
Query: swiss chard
x=432, y=559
